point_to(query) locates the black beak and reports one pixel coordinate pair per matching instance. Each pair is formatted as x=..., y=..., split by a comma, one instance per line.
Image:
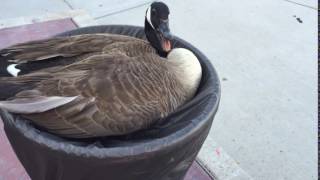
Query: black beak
x=164, y=29
x=164, y=35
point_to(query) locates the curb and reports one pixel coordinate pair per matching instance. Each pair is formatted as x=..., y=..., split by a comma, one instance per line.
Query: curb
x=218, y=164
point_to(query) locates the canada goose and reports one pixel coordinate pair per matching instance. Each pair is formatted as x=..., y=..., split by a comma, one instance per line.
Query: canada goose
x=105, y=84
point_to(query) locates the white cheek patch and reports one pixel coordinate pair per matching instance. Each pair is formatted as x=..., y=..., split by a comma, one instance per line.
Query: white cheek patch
x=148, y=16
x=13, y=70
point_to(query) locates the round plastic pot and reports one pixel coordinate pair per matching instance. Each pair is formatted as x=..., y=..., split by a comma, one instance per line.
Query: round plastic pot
x=163, y=152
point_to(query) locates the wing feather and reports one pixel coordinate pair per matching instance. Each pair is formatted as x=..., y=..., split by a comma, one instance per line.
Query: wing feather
x=37, y=104
x=62, y=46
x=106, y=94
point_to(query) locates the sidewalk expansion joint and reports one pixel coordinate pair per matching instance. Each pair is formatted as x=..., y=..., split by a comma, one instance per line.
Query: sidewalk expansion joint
x=120, y=11
x=307, y=6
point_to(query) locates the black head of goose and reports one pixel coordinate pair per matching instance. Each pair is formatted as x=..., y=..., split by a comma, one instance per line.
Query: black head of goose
x=156, y=27
x=106, y=85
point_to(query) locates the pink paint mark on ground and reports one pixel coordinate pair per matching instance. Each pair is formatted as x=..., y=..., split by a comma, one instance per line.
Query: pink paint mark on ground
x=217, y=151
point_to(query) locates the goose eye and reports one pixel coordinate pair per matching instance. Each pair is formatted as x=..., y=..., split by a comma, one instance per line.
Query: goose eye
x=153, y=12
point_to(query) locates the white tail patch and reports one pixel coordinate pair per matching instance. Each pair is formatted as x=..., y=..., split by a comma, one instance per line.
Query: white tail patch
x=13, y=70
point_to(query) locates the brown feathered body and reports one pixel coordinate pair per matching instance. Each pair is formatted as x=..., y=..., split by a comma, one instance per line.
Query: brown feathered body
x=117, y=85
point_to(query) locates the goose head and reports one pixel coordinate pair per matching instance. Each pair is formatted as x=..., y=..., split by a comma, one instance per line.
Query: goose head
x=157, y=27
x=183, y=62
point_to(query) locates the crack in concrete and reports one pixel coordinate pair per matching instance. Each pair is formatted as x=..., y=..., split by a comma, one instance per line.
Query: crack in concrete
x=68, y=4
x=304, y=5
x=123, y=10
x=209, y=172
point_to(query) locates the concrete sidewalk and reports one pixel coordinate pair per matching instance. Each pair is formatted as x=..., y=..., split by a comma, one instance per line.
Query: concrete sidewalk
x=265, y=53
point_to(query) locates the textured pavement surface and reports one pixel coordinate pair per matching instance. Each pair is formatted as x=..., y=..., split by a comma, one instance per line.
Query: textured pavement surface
x=265, y=53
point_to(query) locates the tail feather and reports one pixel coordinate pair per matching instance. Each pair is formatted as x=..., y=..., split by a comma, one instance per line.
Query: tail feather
x=54, y=47
x=34, y=51
x=9, y=89
x=35, y=104
x=4, y=63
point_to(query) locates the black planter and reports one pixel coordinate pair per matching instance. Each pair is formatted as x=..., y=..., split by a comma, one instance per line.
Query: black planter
x=163, y=152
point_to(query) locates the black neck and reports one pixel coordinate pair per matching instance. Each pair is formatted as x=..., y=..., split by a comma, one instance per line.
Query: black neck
x=153, y=39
